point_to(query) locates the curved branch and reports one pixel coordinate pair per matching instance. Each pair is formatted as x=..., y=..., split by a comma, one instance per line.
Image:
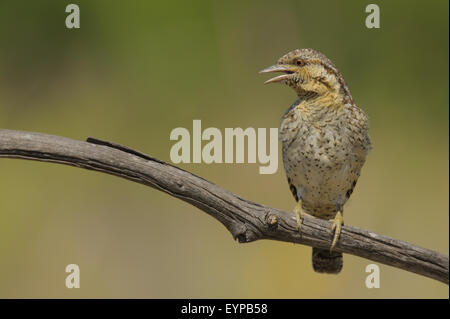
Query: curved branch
x=246, y=220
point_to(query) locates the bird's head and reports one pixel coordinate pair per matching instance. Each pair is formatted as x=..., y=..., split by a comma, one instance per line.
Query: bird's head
x=309, y=73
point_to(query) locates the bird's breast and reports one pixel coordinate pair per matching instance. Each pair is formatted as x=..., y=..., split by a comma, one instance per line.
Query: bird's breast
x=318, y=159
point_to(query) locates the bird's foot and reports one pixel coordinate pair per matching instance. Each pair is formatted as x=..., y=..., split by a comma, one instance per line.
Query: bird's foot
x=299, y=214
x=338, y=221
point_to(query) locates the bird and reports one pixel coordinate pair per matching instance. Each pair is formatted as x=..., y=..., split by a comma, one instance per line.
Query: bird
x=325, y=141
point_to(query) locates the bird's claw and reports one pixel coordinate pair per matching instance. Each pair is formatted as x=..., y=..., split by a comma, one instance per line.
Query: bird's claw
x=336, y=228
x=298, y=215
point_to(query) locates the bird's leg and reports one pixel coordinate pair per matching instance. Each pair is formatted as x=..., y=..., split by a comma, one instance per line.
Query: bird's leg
x=338, y=221
x=298, y=214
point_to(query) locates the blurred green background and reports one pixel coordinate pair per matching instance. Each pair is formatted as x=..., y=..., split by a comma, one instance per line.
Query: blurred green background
x=137, y=69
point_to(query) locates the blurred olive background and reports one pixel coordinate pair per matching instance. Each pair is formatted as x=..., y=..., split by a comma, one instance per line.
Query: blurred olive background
x=137, y=69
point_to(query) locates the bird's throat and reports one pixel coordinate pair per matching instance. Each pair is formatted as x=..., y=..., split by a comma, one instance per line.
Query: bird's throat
x=317, y=106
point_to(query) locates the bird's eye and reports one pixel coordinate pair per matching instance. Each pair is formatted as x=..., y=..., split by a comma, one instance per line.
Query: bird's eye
x=300, y=62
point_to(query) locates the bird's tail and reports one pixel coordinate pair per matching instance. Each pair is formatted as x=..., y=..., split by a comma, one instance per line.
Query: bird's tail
x=325, y=262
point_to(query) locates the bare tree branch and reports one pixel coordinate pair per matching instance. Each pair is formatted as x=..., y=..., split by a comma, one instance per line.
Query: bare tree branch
x=247, y=221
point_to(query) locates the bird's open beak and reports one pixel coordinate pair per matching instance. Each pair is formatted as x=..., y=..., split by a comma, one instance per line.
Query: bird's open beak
x=277, y=68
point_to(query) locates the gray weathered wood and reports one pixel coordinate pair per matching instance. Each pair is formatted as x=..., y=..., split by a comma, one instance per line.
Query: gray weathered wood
x=246, y=220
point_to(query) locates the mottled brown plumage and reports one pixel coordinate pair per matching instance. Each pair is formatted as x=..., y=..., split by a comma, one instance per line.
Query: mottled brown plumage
x=325, y=142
